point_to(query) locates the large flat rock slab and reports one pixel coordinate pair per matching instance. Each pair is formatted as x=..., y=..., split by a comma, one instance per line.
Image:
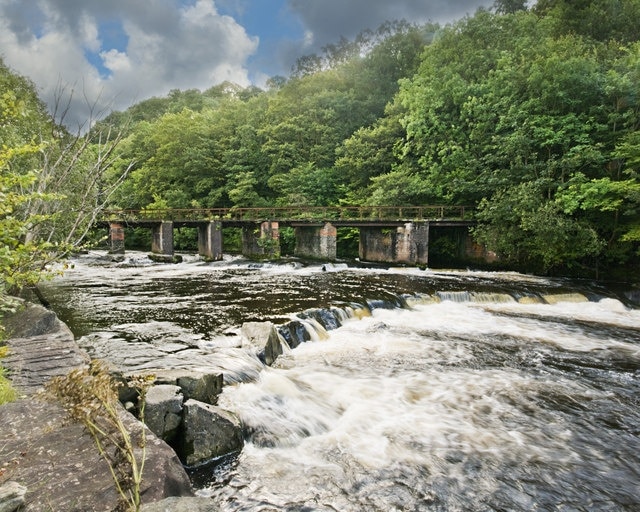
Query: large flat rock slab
x=43, y=450
x=40, y=347
x=33, y=361
x=58, y=462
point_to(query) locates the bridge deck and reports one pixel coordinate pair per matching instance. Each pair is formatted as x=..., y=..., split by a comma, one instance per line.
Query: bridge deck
x=340, y=216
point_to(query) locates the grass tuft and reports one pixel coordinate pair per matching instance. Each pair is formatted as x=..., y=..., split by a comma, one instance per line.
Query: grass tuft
x=7, y=392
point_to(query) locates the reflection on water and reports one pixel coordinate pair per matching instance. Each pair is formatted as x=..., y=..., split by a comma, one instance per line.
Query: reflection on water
x=483, y=392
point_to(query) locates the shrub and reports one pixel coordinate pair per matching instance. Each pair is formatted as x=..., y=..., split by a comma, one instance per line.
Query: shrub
x=90, y=396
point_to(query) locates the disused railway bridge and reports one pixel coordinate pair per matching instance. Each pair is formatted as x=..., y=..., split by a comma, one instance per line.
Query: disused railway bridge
x=389, y=234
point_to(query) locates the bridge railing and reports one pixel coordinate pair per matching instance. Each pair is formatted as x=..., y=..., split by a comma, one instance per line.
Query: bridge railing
x=327, y=213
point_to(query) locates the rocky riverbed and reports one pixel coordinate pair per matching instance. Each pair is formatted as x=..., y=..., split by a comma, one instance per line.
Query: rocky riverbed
x=49, y=463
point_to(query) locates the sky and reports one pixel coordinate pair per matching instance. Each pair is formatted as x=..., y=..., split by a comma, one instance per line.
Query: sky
x=103, y=55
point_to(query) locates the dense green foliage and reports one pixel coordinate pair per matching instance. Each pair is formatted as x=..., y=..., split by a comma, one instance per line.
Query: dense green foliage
x=52, y=186
x=231, y=147
x=533, y=124
x=529, y=115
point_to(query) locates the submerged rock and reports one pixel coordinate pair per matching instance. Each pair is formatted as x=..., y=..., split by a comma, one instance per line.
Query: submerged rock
x=165, y=258
x=294, y=333
x=182, y=505
x=209, y=432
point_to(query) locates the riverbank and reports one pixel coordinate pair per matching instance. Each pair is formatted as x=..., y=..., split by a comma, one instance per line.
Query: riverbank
x=52, y=457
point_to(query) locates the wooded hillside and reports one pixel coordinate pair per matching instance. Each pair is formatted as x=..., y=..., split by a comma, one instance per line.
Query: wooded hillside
x=532, y=116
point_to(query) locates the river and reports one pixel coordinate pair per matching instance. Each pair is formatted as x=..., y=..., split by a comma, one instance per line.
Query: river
x=440, y=390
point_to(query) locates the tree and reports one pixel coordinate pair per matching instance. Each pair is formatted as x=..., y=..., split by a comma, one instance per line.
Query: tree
x=600, y=20
x=534, y=234
x=509, y=6
x=23, y=261
x=52, y=185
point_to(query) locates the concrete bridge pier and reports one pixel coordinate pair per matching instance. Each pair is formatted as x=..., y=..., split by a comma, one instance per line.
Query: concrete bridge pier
x=162, y=238
x=318, y=242
x=261, y=241
x=407, y=244
x=210, y=240
x=116, y=237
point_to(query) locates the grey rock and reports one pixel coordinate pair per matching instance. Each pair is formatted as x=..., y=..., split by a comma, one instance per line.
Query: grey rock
x=201, y=387
x=209, y=432
x=31, y=320
x=59, y=464
x=152, y=357
x=264, y=337
x=11, y=496
x=40, y=347
x=198, y=385
x=163, y=410
x=53, y=457
x=182, y=505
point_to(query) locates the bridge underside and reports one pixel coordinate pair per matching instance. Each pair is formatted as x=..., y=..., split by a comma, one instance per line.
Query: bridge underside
x=401, y=242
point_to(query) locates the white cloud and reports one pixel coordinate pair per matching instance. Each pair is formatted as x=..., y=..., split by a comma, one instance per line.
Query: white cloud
x=308, y=38
x=115, y=61
x=117, y=52
x=89, y=33
x=169, y=47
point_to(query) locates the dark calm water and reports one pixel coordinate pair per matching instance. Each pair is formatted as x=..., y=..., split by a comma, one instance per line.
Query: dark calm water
x=445, y=391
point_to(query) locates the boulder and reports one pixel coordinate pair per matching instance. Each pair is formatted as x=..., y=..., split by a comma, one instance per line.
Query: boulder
x=209, y=432
x=163, y=411
x=198, y=385
x=264, y=337
x=202, y=387
x=31, y=320
x=11, y=496
x=59, y=464
x=294, y=333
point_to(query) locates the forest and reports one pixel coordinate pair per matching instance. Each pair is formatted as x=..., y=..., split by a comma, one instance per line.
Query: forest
x=530, y=115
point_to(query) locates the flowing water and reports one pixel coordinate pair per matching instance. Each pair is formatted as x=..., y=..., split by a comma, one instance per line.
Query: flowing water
x=440, y=391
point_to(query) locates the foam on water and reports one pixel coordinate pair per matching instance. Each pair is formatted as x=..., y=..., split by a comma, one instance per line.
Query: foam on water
x=405, y=389
x=415, y=390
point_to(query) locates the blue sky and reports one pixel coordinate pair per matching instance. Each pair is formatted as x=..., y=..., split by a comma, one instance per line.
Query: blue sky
x=113, y=53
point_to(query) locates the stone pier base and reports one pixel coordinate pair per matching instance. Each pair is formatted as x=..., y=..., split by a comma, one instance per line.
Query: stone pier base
x=408, y=244
x=116, y=237
x=318, y=242
x=210, y=240
x=261, y=241
x=162, y=238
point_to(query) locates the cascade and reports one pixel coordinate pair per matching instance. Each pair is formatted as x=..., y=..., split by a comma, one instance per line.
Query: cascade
x=453, y=391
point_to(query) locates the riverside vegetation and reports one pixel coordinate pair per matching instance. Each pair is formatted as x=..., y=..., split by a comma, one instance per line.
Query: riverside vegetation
x=90, y=396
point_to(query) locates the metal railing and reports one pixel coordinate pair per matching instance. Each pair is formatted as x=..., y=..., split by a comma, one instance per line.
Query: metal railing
x=292, y=213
